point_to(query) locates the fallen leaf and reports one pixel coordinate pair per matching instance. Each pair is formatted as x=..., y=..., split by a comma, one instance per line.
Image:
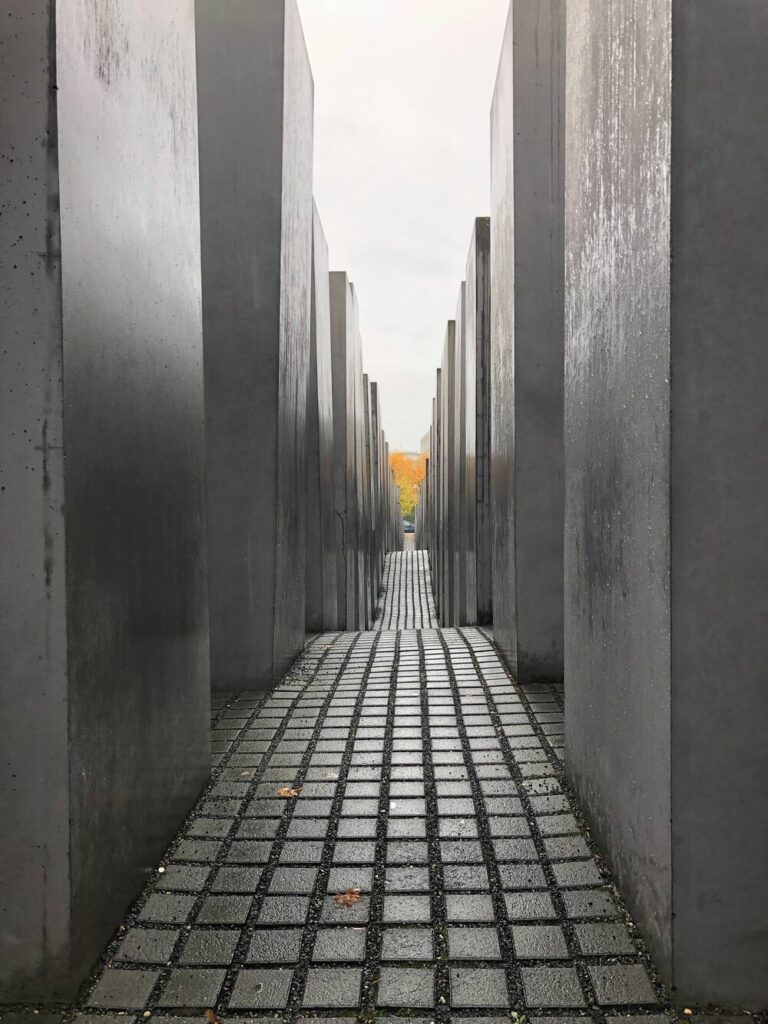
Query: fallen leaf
x=286, y=791
x=211, y=1017
x=346, y=899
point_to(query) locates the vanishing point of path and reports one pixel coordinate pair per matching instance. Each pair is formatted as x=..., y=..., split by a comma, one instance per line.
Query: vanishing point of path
x=387, y=834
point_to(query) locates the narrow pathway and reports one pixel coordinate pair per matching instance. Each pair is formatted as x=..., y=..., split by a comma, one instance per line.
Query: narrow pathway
x=388, y=833
x=407, y=601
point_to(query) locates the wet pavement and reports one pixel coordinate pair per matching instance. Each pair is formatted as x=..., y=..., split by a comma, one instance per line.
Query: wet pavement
x=386, y=835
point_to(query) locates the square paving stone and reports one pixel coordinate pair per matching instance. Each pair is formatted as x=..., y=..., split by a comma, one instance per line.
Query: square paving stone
x=210, y=947
x=353, y=877
x=224, y=910
x=339, y=944
x=275, y=946
x=407, y=878
x=467, y=907
x=407, y=909
x=209, y=828
x=339, y=913
x=249, y=852
x=193, y=987
x=414, y=807
x=301, y=852
x=308, y=828
x=577, y=872
x=501, y=827
x=539, y=942
x=604, y=939
x=551, y=987
x=478, y=986
x=473, y=944
x=461, y=851
x=236, y=879
x=403, y=852
x=522, y=876
x=197, y=850
x=407, y=828
x=529, y=906
x=330, y=987
x=123, y=990
x=354, y=807
x=261, y=989
x=621, y=983
x=406, y=986
x=407, y=944
x=293, y=880
x=183, y=878
x=465, y=876
x=284, y=910
x=457, y=828
x=356, y=828
x=566, y=848
x=588, y=903
x=167, y=908
x=354, y=853
x=515, y=850
x=147, y=946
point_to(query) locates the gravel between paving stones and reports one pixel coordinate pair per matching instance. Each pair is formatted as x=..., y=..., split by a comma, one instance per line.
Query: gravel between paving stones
x=429, y=781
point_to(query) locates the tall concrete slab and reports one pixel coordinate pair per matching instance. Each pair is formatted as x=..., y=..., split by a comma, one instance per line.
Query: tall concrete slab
x=448, y=479
x=103, y=610
x=459, y=413
x=255, y=115
x=527, y=125
x=667, y=474
x=478, y=398
x=437, y=565
x=321, y=610
x=345, y=340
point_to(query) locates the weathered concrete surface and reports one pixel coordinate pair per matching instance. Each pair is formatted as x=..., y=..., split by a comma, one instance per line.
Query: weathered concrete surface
x=103, y=613
x=478, y=426
x=345, y=340
x=666, y=566
x=321, y=530
x=255, y=108
x=459, y=414
x=527, y=124
x=448, y=479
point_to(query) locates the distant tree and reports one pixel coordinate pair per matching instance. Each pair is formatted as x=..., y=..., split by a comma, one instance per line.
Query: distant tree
x=409, y=472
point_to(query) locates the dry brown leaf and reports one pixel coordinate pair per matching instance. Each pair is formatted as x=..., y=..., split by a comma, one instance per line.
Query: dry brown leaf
x=211, y=1017
x=286, y=791
x=346, y=899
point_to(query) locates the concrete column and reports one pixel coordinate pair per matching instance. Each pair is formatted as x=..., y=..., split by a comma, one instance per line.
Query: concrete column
x=348, y=421
x=667, y=474
x=459, y=413
x=527, y=125
x=437, y=568
x=368, y=495
x=448, y=482
x=321, y=530
x=255, y=113
x=478, y=398
x=103, y=607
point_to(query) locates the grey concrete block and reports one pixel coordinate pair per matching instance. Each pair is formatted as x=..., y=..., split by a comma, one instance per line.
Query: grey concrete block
x=666, y=565
x=103, y=610
x=448, y=479
x=459, y=414
x=527, y=125
x=349, y=423
x=321, y=530
x=255, y=100
x=478, y=398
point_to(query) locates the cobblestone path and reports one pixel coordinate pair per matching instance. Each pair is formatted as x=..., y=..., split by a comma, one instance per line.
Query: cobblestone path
x=405, y=768
x=407, y=601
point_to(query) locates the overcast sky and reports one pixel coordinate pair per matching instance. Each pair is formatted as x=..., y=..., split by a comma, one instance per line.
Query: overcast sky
x=402, y=101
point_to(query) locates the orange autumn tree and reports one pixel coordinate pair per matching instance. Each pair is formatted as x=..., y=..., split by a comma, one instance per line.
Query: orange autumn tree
x=409, y=472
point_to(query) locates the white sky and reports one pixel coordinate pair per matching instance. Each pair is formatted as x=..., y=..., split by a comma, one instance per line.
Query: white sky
x=402, y=102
